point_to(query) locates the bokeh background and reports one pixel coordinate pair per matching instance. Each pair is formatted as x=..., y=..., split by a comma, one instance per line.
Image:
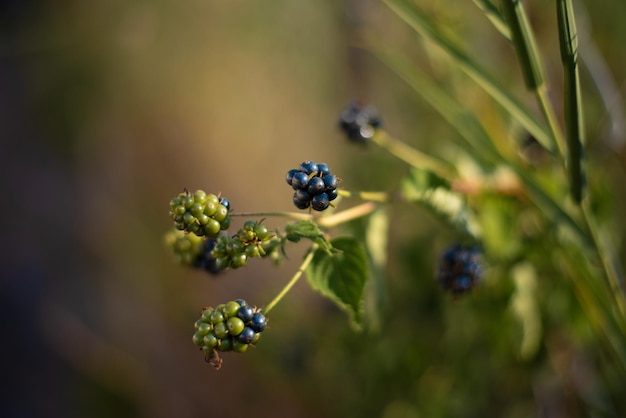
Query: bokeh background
x=110, y=108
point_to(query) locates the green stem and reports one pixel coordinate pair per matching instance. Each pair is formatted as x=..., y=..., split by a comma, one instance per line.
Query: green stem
x=292, y=282
x=381, y=197
x=412, y=156
x=612, y=276
x=347, y=215
x=291, y=215
x=548, y=113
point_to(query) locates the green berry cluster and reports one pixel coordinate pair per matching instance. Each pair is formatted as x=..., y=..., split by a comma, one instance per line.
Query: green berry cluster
x=235, y=251
x=186, y=247
x=200, y=213
x=232, y=326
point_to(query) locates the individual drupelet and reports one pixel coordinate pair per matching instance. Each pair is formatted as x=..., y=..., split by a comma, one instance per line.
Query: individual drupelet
x=460, y=268
x=358, y=122
x=314, y=185
x=200, y=213
x=233, y=326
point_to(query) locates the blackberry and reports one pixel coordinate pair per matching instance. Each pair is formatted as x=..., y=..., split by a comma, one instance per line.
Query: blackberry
x=200, y=213
x=205, y=260
x=314, y=184
x=359, y=122
x=232, y=326
x=460, y=268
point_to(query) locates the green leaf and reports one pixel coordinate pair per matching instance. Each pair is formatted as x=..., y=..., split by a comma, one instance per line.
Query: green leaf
x=309, y=230
x=341, y=276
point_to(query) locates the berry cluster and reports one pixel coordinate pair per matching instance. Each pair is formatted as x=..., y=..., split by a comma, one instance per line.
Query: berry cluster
x=314, y=185
x=232, y=326
x=235, y=251
x=359, y=123
x=187, y=248
x=460, y=268
x=200, y=213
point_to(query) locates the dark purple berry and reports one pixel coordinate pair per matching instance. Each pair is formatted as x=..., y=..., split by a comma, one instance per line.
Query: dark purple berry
x=247, y=335
x=245, y=313
x=323, y=169
x=224, y=202
x=330, y=181
x=320, y=202
x=332, y=195
x=308, y=167
x=241, y=302
x=316, y=186
x=460, y=268
x=259, y=322
x=302, y=195
x=301, y=204
x=290, y=175
x=358, y=122
x=206, y=261
x=300, y=180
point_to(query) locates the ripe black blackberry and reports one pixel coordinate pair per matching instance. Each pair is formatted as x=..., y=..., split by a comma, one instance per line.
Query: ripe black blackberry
x=314, y=184
x=359, y=122
x=460, y=268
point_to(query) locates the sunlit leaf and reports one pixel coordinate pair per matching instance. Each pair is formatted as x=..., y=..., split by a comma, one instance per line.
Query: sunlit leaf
x=341, y=275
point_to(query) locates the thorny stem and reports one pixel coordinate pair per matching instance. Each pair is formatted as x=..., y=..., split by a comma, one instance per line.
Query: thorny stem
x=293, y=281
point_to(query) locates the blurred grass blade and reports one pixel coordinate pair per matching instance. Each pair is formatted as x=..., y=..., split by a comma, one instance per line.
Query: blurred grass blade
x=463, y=120
x=524, y=43
x=568, y=40
x=412, y=16
x=495, y=17
x=528, y=56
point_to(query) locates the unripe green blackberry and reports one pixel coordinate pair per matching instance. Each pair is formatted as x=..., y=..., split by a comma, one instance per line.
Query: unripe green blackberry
x=200, y=213
x=232, y=326
x=249, y=242
x=187, y=248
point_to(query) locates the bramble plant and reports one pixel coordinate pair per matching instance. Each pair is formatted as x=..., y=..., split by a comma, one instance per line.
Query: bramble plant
x=548, y=206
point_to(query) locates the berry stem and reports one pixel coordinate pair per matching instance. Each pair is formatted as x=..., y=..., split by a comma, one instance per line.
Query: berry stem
x=373, y=196
x=292, y=215
x=292, y=282
x=347, y=215
x=412, y=156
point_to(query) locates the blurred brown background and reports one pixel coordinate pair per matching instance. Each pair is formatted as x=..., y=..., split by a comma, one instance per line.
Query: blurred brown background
x=107, y=110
